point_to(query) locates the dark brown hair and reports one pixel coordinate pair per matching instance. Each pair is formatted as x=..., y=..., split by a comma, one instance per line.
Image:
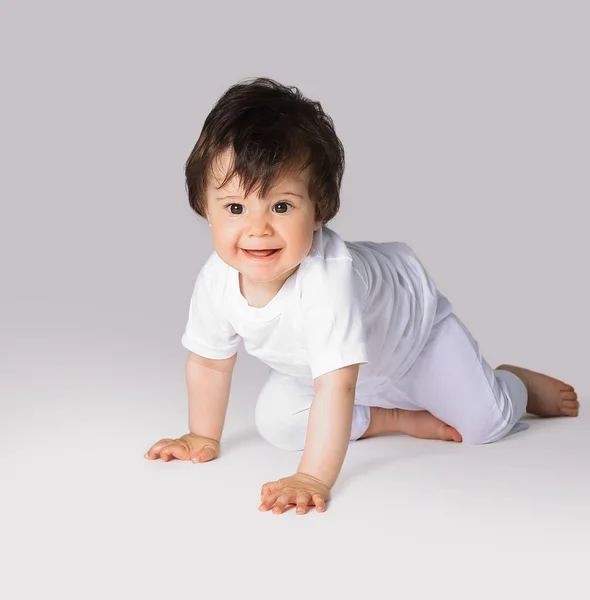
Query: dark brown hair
x=272, y=129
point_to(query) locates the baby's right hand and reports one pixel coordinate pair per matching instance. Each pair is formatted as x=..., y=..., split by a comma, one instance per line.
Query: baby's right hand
x=188, y=447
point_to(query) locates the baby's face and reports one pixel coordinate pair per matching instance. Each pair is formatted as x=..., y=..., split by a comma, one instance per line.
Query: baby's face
x=283, y=220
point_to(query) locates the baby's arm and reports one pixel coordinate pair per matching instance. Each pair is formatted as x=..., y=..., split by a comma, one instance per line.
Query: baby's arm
x=208, y=384
x=329, y=424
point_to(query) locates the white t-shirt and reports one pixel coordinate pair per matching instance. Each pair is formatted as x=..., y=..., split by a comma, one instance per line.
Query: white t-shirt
x=348, y=302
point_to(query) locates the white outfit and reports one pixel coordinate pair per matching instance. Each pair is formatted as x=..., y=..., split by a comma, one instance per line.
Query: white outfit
x=354, y=302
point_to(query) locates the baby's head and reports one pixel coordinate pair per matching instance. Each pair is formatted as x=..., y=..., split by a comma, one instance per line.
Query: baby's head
x=266, y=172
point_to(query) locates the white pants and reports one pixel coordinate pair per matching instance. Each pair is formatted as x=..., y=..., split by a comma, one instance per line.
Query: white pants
x=450, y=379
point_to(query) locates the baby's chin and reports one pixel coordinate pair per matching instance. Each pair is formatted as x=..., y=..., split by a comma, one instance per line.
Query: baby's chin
x=260, y=277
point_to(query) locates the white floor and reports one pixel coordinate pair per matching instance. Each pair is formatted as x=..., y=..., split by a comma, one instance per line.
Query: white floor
x=85, y=516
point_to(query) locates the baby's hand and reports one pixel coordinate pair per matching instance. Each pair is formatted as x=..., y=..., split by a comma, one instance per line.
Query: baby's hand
x=188, y=447
x=300, y=489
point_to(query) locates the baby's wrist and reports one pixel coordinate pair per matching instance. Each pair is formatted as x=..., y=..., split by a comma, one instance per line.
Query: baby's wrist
x=202, y=437
x=313, y=478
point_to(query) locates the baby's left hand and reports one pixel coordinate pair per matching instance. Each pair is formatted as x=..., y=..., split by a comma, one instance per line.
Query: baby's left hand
x=300, y=489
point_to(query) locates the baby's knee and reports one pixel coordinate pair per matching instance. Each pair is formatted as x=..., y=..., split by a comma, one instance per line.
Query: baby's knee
x=286, y=432
x=483, y=433
x=282, y=411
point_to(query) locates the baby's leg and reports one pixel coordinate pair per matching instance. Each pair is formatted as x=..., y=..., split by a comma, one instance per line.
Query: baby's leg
x=282, y=412
x=547, y=396
x=416, y=423
x=453, y=381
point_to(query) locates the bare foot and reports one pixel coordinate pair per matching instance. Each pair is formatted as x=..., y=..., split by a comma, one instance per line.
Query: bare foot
x=417, y=423
x=422, y=424
x=547, y=397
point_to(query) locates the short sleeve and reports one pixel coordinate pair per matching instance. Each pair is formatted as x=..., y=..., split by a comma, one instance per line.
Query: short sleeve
x=331, y=302
x=207, y=332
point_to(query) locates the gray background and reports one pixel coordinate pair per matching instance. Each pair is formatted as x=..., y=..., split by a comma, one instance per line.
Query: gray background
x=466, y=132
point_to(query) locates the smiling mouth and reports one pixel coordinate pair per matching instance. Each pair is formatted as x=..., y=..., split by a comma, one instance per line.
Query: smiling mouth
x=262, y=253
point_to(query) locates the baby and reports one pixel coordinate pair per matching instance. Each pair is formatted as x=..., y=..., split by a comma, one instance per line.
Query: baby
x=359, y=340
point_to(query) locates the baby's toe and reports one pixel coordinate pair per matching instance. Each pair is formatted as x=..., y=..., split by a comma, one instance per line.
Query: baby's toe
x=569, y=412
x=569, y=408
x=570, y=404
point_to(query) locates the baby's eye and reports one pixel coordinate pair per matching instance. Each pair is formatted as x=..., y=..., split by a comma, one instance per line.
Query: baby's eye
x=230, y=206
x=285, y=204
x=283, y=208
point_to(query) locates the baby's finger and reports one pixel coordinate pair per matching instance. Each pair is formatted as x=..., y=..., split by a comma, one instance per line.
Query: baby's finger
x=268, y=488
x=303, y=499
x=204, y=454
x=268, y=500
x=172, y=451
x=154, y=451
x=320, y=503
x=281, y=504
